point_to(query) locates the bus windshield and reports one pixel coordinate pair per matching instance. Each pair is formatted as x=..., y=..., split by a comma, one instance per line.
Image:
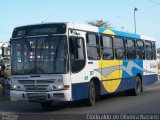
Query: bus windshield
x=39, y=55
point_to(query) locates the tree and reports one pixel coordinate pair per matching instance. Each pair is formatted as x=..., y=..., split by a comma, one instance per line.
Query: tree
x=100, y=23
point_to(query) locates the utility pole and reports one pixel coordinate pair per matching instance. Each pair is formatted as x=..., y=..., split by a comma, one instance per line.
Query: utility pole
x=135, y=9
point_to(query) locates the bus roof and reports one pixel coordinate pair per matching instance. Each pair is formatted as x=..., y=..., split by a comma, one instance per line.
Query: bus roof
x=108, y=31
x=86, y=27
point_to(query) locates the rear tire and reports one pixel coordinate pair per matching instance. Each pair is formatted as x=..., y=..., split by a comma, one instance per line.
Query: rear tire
x=137, y=89
x=91, y=94
x=138, y=86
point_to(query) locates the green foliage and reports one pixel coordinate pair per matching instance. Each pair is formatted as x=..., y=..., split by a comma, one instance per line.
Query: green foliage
x=100, y=23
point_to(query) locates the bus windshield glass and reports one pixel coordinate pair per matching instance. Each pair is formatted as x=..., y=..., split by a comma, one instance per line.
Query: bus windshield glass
x=39, y=55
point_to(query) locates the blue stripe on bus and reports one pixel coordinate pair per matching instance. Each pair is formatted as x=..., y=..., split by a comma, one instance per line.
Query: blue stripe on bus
x=119, y=33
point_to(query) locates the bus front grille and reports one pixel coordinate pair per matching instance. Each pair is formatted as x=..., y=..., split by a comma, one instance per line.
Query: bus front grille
x=26, y=81
x=36, y=85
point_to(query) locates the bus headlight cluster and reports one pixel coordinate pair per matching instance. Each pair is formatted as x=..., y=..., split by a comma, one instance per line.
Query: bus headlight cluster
x=59, y=85
x=16, y=86
x=13, y=84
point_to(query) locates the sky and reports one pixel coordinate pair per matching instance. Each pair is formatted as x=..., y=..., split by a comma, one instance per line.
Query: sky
x=119, y=13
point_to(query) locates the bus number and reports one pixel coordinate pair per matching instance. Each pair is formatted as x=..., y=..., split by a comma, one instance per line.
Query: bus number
x=91, y=72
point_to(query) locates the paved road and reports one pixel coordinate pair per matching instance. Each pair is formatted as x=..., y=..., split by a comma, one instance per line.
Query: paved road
x=147, y=102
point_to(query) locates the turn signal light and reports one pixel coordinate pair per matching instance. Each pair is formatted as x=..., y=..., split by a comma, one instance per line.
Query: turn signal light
x=66, y=86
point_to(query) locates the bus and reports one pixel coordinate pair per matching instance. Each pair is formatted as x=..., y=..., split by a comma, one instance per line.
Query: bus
x=70, y=62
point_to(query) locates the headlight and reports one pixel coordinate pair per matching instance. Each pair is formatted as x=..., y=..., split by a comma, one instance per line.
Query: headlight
x=58, y=85
x=13, y=87
x=16, y=86
x=13, y=84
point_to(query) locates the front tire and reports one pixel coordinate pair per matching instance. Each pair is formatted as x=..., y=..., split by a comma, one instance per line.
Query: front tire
x=91, y=94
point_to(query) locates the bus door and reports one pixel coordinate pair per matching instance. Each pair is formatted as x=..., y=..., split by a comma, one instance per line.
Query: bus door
x=79, y=73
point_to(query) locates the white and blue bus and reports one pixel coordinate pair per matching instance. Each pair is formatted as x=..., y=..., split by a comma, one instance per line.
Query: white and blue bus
x=69, y=62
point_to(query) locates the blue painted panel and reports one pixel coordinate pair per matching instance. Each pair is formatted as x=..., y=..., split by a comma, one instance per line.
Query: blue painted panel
x=79, y=91
x=124, y=73
x=126, y=84
x=136, y=70
x=123, y=85
x=149, y=79
x=135, y=67
x=101, y=30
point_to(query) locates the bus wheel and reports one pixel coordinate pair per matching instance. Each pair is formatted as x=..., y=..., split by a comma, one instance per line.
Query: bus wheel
x=91, y=94
x=137, y=89
x=138, y=86
x=46, y=104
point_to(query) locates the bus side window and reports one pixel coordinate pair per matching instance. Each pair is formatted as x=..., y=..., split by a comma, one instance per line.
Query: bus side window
x=154, y=50
x=107, y=48
x=119, y=48
x=140, y=53
x=131, y=51
x=93, y=51
x=148, y=50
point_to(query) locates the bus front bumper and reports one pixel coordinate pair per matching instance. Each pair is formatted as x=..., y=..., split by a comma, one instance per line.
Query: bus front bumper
x=63, y=95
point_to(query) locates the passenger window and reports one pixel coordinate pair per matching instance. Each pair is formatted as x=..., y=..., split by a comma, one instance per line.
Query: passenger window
x=131, y=51
x=154, y=50
x=140, y=50
x=119, y=48
x=93, y=47
x=107, y=48
x=148, y=50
